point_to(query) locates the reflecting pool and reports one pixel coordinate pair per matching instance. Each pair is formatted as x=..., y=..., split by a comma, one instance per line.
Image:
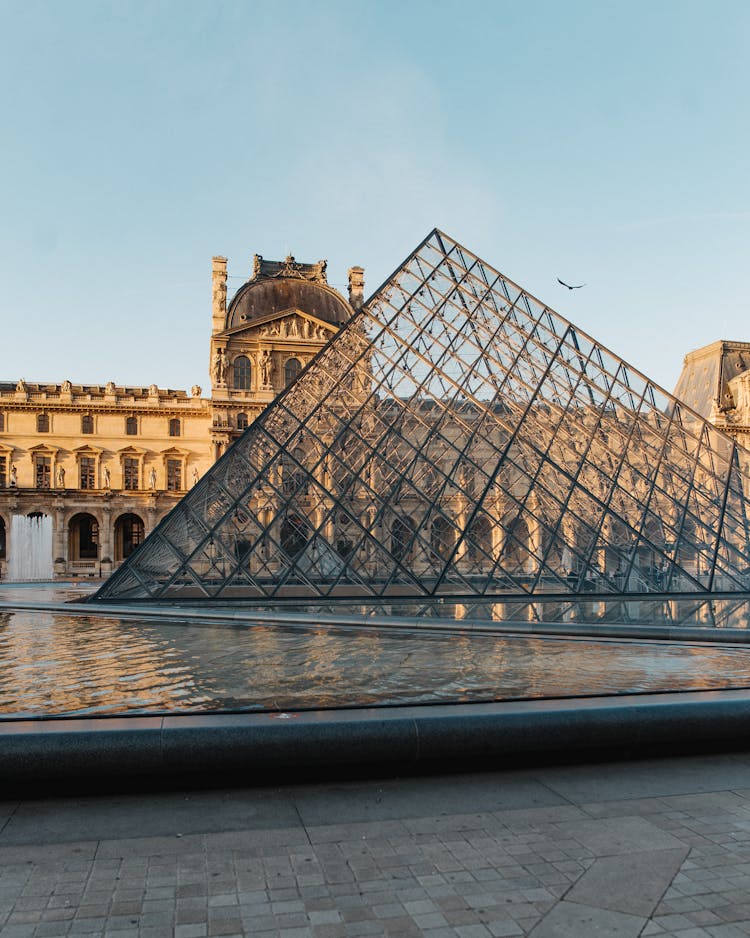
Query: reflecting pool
x=81, y=662
x=53, y=664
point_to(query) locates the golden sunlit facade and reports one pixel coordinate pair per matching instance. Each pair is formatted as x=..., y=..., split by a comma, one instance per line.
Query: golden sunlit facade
x=98, y=466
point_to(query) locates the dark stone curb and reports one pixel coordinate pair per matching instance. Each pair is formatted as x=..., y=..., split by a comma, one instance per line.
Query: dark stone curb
x=297, y=744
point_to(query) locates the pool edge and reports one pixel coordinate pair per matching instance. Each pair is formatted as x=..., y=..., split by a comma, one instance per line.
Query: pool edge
x=371, y=740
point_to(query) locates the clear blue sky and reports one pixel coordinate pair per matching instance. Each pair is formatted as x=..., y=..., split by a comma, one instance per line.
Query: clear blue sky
x=606, y=143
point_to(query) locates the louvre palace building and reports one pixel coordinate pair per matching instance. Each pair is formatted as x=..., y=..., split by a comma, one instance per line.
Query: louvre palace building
x=101, y=465
x=451, y=436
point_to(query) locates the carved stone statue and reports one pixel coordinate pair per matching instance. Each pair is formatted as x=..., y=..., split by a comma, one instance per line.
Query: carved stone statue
x=13, y=476
x=60, y=477
x=293, y=330
x=21, y=386
x=220, y=291
x=66, y=387
x=110, y=388
x=107, y=479
x=257, y=258
x=195, y=475
x=152, y=479
x=196, y=390
x=153, y=390
x=265, y=365
x=219, y=369
x=305, y=328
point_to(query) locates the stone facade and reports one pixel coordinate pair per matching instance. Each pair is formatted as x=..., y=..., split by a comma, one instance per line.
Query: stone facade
x=106, y=463
x=715, y=381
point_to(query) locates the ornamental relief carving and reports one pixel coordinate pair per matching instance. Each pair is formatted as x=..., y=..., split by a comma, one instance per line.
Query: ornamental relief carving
x=295, y=328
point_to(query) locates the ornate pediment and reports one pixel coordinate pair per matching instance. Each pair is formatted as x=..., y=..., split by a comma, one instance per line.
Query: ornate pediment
x=292, y=324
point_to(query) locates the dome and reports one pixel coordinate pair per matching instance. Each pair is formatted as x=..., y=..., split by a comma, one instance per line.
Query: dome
x=260, y=298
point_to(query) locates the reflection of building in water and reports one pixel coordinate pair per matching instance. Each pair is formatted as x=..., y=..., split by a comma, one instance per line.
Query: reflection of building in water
x=457, y=438
x=107, y=462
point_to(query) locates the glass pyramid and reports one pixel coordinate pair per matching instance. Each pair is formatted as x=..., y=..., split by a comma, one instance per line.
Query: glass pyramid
x=457, y=438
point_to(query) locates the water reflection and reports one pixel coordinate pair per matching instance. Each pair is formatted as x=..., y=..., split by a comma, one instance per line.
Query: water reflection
x=722, y=612
x=53, y=664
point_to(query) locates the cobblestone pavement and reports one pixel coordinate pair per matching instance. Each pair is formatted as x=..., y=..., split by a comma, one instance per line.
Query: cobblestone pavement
x=656, y=847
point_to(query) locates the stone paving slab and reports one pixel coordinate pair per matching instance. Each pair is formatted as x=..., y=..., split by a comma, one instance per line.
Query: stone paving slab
x=584, y=850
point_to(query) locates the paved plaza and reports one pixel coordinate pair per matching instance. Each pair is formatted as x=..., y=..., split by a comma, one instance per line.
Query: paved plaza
x=657, y=847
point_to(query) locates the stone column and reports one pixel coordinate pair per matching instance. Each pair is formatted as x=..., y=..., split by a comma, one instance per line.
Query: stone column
x=218, y=294
x=60, y=541
x=105, y=541
x=356, y=286
x=150, y=515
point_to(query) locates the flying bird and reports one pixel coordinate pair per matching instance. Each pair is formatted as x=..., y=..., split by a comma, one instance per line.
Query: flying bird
x=576, y=287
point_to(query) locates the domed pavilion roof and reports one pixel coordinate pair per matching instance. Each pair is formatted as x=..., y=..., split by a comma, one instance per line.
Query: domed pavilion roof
x=280, y=285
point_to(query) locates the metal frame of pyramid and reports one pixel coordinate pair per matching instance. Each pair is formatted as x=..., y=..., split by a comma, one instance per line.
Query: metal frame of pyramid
x=457, y=438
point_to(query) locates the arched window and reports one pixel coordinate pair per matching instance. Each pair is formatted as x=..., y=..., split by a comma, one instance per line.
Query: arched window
x=131, y=426
x=83, y=537
x=402, y=532
x=242, y=421
x=129, y=532
x=174, y=426
x=42, y=423
x=441, y=538
x=243, y=373
x=87, y=424
x=479, y=540
x=292, y=368
x=295, y=533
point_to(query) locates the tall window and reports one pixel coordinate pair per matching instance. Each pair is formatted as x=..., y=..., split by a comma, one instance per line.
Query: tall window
x=174, y=426
x=291, y=369
x=174, y=475
x=42, y=423
x=130, y=473
x=87, y=469
x=2, y=539
x=128, y=535
x=87, y=424
x=131, y=426
x=243, y=374
x=242, y=421
x=43, y=472
x=3, y=472
x=2, y=422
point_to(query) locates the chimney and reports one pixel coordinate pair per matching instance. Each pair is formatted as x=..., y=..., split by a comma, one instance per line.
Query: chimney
x=356, y=286
x=218, y=294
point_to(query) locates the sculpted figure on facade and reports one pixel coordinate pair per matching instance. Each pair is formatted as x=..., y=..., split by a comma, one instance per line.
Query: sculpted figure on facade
x=21, y=386
x=265, y=366
x=110, y=388
x=153, y=390
x=107, y=478
x=152, y=479
x=66, y=387
x=195, y=475
x=219, y=369
x=60, y=477
x=13, y=476
x=196, y=390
